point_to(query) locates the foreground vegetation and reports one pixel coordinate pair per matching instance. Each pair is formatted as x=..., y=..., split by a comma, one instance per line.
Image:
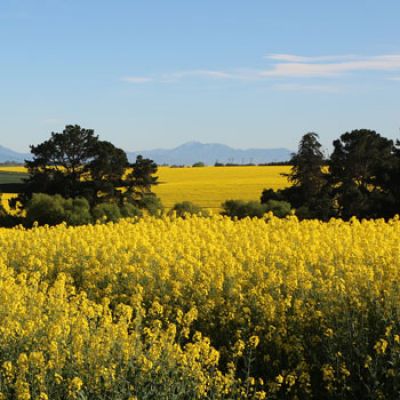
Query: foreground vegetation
x=201, y=308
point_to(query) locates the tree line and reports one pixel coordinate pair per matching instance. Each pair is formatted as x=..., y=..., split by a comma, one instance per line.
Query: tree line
x=361, y=178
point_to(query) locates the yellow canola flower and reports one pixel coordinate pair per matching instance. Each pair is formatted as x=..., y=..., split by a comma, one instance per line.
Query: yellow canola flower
x=381, y=346
x=254, y=341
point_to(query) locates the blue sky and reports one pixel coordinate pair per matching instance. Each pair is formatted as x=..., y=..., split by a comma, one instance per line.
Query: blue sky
x=157, y=73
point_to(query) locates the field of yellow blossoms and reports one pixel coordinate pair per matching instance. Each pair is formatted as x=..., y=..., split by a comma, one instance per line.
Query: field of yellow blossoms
x=209, y=187
x=201, y=308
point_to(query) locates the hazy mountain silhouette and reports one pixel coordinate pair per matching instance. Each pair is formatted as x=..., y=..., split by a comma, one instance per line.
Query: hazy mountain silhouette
x=187, y=154
x=12, y=156
x=192, y=152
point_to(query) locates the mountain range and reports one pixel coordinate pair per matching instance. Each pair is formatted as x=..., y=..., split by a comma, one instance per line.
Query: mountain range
x=8, y=155
x=187, y=154
x=209, y=153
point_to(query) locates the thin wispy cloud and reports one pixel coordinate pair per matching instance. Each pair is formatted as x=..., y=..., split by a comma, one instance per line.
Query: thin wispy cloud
x=294, y=87
x=202, y=73
x=239, y=75
x=289, y=66
x=298, y=87
x=307, y=59
x=314, y=67
x=197, y=73
x=137, y=79
x=181, y=75
x=172, y=77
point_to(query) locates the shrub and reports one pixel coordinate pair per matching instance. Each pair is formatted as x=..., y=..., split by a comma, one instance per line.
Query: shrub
x=53, y=210
x=77, y=211
x=278, y=208
x=129, y=210
x=152, y=204
x=188, y=208
x=242, y=209
x=45, y=209
x=198, y=164
x=108, y=212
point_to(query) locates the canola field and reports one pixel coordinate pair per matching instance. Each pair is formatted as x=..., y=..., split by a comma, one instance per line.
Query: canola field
x=201, y=308
x=209, y=187
x=14, y=168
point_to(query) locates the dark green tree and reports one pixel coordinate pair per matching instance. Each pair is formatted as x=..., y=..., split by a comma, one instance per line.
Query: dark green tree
x=60, y=164
x=394, y=178
x=107, y=169
x=360, y=167
x=307, y=167
x=140, y=180
x=75, y=163
x=309, y=191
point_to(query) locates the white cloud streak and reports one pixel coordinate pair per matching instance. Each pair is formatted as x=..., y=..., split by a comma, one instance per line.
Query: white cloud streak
x=211, y=74
x=288, y=66
x=293, y=87
x=137, y=79
x=306, y=59
x=311, y=69
x=203, y=73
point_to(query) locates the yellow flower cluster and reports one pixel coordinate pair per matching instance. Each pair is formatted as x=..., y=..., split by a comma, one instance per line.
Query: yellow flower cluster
x=201, y=308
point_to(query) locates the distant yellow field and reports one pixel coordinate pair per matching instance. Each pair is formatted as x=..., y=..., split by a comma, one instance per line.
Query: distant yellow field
x=12, y=169
x=210, y=186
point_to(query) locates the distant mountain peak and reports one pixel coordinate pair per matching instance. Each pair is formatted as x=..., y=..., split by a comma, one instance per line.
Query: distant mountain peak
x=193, y=151
x=191, y=144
